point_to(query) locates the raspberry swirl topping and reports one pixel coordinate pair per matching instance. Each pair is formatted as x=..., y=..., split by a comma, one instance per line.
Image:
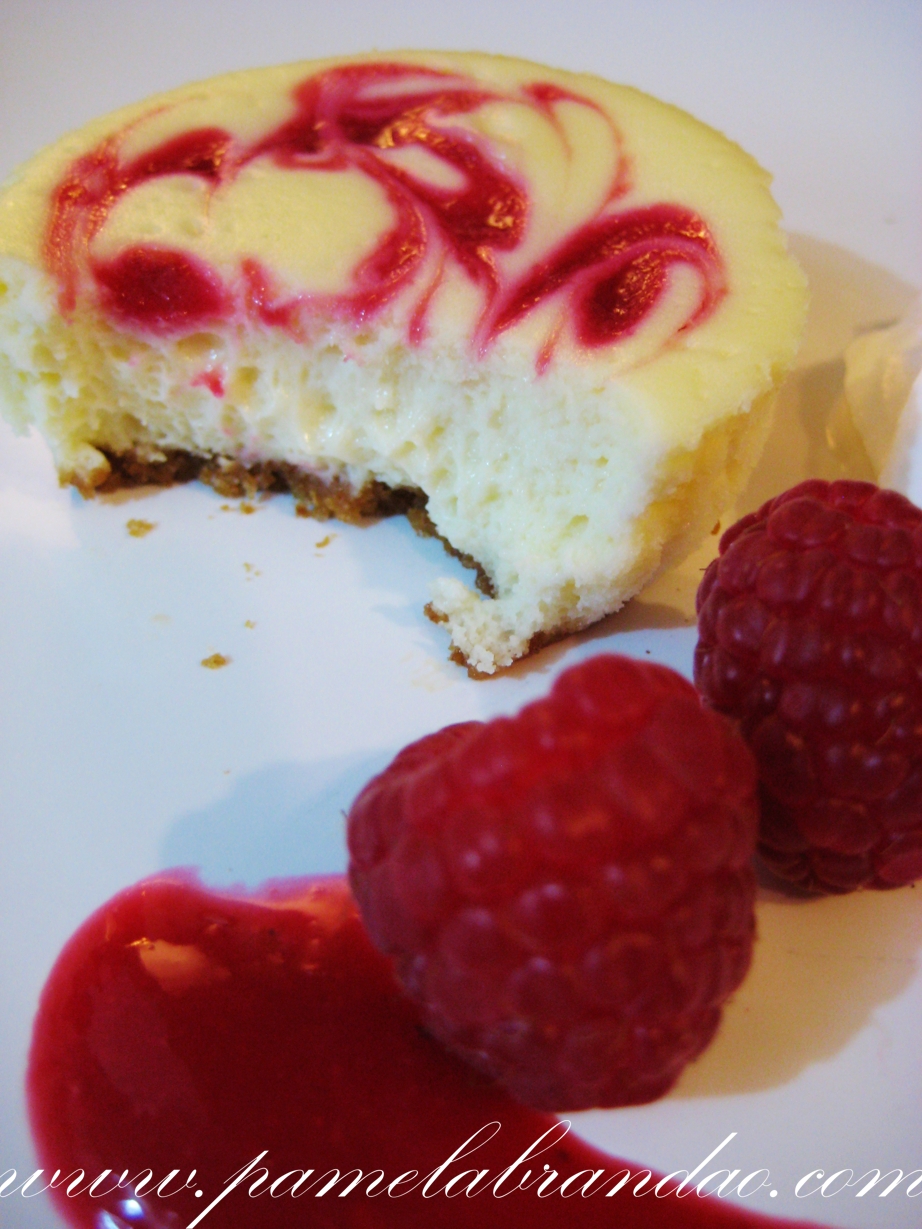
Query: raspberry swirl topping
x=604, y=276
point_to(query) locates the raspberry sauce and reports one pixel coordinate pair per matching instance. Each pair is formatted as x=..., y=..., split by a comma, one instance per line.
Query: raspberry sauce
x=182, y=1030
x=607, y=275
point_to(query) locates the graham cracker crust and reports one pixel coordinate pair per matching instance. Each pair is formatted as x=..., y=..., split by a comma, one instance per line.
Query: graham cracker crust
x=316, y=496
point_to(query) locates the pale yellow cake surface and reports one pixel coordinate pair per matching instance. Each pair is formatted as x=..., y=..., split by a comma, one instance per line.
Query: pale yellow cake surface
x=566, y=479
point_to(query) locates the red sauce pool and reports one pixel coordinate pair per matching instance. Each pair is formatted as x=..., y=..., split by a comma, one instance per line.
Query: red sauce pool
x=182, y=1030
x=608, y=274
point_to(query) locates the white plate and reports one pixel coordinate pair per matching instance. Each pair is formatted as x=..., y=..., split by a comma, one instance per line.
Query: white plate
x=120, y=755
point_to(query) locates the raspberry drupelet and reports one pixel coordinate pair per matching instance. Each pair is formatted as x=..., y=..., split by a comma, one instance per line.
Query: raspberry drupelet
x=568, y=893
x=810, y=635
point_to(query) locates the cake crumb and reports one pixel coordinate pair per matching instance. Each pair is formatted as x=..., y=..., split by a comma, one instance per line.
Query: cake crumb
x=716, y=529
x=140, y=529
x=436, y=616
x=251, y=570
x=325, y=541
x=215, y=661
x=250, y=623
x=428, y=674
x=244, y=507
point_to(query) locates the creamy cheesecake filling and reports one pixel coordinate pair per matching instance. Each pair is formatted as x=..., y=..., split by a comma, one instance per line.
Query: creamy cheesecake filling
x=547, y=308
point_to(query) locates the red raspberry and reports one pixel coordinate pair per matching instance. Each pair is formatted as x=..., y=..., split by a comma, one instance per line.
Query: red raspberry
x=810, y=634
x=568, y=892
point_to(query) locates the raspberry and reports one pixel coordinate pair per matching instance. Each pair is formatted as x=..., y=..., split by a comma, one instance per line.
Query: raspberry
x=568, y=893
x=810, y=635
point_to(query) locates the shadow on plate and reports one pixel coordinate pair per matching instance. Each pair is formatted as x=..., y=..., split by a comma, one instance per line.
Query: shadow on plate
x=282, y=821
x=637, y=615
x=813, y=435
x=821, y=968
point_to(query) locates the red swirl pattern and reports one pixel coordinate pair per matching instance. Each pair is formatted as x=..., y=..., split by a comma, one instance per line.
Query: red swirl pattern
x=608, y=274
